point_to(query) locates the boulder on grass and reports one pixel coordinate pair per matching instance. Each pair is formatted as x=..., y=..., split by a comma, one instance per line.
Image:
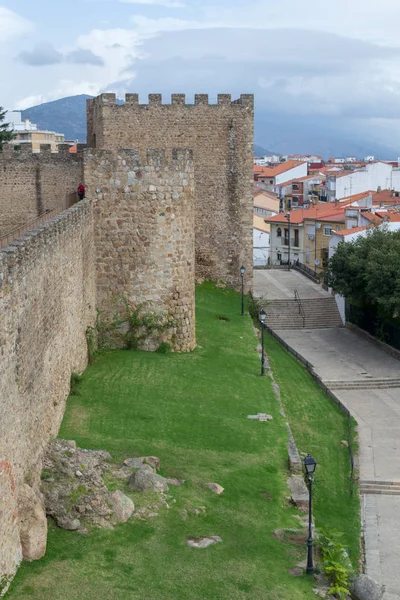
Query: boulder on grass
x=146, y=481
x=215, y=487
x=365, y=588
x=32, y=523
x=121, y=505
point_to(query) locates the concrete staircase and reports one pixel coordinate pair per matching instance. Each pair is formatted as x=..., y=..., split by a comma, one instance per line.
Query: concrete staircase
x=364, y=384
x=317, y=313
x=388, y=488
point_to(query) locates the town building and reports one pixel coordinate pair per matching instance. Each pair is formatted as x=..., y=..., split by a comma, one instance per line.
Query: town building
x=272, y=177
x=261, y=242
x=374, y=176
x=267, y=160
x=29, y=133
x=265, y=203
x=311, y=228
x=302, y=192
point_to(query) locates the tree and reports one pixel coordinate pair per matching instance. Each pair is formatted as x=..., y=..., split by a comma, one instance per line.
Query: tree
x=5, y=134
x=367, y=272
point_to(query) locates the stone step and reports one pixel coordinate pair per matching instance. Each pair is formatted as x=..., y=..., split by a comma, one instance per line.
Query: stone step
x=388, y=492
x=315, y=313
x=363, y=384
x=384, y=482
x=389, y=488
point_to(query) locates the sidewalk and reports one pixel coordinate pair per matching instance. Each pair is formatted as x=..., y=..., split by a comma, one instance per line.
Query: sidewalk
x=339, y=354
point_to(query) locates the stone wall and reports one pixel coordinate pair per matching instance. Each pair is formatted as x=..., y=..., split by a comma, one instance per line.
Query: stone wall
x=30, y=183
x=144, y=233
x=221, y=136
x=47, y=300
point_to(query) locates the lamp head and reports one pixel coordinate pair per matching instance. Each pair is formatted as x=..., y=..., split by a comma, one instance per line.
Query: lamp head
x=242, y=270
x=262, y=316
x=309, y=463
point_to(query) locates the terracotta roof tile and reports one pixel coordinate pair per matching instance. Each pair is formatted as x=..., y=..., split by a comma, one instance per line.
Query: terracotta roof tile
x=345, y=232
x=281, y=168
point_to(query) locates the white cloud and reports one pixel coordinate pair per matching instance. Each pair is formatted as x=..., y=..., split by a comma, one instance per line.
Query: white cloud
x=12, y=25
x=166, y=3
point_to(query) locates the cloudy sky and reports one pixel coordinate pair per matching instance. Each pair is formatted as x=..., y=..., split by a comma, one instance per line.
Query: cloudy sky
x=336, y=63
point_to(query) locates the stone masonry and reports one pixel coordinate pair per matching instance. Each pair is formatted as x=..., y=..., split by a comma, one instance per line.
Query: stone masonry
x=30, y=183
x=47, y=300
x=221, y=136
x=151, y=217
x=144, y=233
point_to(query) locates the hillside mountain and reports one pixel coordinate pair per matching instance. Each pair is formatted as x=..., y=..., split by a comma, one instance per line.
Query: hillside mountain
x=282, y=134
x=260, y=151
x=67, y=116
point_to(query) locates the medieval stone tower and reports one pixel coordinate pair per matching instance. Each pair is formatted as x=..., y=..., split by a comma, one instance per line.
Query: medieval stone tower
x=221, y=137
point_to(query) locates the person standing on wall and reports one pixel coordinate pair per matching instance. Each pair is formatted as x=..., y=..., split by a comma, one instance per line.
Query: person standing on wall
x=81, y=191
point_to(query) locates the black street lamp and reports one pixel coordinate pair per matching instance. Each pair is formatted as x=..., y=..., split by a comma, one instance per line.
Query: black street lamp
x=263, y=319
x=310, y=463
x=287, y=217
x=242, y=272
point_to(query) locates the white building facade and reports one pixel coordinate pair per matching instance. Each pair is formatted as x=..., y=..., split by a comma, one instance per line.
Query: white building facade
x=374, y=177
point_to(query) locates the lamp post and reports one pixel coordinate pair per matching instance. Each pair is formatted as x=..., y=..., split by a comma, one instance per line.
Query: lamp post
x=242, y=272
x=262, y=318
x=287, y=217
x=309, y=464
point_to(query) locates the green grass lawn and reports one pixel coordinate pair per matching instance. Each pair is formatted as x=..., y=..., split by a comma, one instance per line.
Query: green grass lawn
x=191, y=411
x=318, y=427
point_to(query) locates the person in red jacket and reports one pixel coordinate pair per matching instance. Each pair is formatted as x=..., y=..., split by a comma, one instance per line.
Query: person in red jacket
x=81, y=191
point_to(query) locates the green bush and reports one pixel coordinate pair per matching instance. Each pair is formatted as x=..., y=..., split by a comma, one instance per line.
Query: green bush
x=336, y=562
x=163, y=348
x=76, y=381
x=255, y=305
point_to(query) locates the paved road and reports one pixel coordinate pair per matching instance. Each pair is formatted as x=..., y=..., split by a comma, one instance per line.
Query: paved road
x=339, y=354
x=278, y=284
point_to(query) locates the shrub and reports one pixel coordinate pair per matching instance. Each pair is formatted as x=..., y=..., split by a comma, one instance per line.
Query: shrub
x=76, y=381
x=163, y=348
x=336, y=563
x=255, y=305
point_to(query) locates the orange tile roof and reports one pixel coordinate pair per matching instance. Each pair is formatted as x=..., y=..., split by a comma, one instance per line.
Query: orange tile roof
x=391, y=217
x=73, y=148
x=279, y=169
x=385, y=197
x=352, y=230
x=319, y=211
x=340, y=217
x=376, y=220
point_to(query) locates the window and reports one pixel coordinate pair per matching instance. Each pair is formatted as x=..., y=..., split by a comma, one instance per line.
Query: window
x=295, y=200
x=296, y=237
x=286, y=240
x=279, y=232
x=308, y=255
x=279, y=256
x=327, y=230
x=295, y=186
x=271, y=181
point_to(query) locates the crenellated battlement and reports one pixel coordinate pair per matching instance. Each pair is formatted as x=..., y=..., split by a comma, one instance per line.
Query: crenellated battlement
x=156, y=100
x=24, y=152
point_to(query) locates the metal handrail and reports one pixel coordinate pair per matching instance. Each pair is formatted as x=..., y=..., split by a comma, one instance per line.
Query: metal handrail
x=301, y=309
x=30, y=225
